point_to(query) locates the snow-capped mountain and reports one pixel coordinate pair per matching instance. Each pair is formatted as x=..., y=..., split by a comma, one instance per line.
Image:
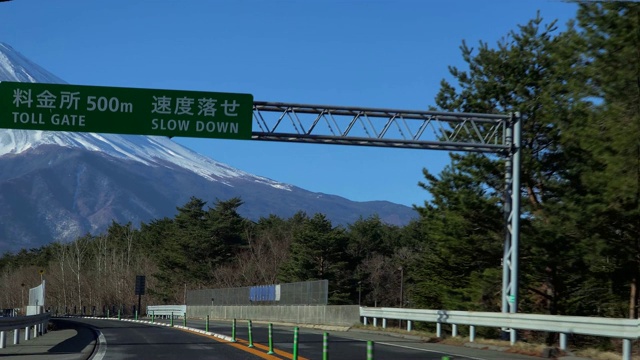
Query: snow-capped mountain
x=60, y=185
x=148, y=150
x=15, y=67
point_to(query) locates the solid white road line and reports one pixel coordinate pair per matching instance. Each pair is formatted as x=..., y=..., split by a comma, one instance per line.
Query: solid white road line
x=102, y=347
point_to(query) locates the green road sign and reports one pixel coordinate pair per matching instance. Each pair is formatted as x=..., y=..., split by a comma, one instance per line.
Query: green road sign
x=35, y=106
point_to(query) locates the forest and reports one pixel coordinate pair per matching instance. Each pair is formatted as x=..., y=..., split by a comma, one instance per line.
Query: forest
x=577, y=87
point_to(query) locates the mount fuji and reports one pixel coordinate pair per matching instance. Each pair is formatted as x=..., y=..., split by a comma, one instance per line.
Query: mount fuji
x=56, y=186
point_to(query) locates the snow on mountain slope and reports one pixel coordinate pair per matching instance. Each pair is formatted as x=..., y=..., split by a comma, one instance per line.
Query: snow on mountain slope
x=149, y=150
x=15, y=67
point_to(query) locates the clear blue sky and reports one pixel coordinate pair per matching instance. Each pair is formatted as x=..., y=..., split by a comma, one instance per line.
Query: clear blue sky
x=374, y=53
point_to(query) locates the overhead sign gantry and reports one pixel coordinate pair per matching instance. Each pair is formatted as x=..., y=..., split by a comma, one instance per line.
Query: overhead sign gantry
x=236, y=116
x=469, y=132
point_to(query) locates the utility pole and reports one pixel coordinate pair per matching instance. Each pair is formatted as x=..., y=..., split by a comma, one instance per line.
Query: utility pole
x=401, y=286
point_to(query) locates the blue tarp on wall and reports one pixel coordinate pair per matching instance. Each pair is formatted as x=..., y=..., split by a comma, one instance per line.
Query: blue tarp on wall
x=264, y=293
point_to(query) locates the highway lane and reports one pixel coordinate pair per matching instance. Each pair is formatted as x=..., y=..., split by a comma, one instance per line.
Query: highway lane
x=342, y=345
x=128, y=340
x=352, y=344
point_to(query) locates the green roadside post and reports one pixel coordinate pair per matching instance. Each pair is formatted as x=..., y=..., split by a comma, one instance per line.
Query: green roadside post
x=206, y=324
x=107, y=313
x=172, y=319
x=119, y=316
x=184, y=319
x=270, y=339
x=325, y=346
x=445, y=358
x=153, y=316
x=233, y=331
x=136, y=314
x=369, y=350
x=295, y=344
x=250, y=336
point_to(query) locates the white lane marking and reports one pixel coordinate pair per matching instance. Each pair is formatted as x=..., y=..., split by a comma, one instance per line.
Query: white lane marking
x=102, y=347
x=431, y=351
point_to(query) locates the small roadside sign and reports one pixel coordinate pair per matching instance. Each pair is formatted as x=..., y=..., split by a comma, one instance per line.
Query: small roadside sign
x=140, y=285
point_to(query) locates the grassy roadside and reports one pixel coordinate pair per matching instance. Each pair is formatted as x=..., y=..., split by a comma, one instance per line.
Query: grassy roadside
x=523, y=348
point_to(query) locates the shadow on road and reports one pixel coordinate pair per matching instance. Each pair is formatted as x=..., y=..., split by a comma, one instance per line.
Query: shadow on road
x=83, y=338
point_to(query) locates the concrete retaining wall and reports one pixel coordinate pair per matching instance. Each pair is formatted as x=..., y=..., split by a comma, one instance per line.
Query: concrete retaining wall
x=338, y=315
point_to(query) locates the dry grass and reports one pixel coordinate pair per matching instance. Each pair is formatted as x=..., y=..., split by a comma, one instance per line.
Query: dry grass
x=523, y=348
x=518, y=348
x=601, y=355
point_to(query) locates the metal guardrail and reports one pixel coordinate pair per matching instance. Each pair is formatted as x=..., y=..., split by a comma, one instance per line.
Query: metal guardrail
x=167, y=310
x=37, y=322
x=626, y=329
x=10, y=323
x=596, y=326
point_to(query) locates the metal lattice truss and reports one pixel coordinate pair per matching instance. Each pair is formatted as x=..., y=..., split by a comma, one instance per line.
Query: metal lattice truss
x=500, y=134
x=380, y=127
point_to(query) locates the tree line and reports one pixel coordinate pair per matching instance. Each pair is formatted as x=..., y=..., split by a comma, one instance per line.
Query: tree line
x=578, y=92
x=211, y=247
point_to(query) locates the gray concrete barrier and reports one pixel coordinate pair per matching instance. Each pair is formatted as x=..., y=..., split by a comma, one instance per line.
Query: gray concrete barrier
x=336, y=315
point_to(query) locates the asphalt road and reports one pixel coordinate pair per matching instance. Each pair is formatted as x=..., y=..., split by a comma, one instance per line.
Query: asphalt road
x=349, y=344
x=128, y=340
x=341, y=345
x=132, y=340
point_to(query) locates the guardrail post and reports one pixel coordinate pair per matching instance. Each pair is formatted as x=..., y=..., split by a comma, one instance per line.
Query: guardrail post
x=233, y=331
x=454, y=330
x=563, y=341
x=3, y=339
x=408, y=325
x=513, y=336
x=626, y=349
x=16, y=336
x=375, y=322
x=439, y=330
x=295, y=344
x=384, y=323
x=364, y=321
x=472, y=333
x=35, y=331
x=369, y=350
x=270, y=352
x=250, y=335
x=27, y=335
x=325, y=346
